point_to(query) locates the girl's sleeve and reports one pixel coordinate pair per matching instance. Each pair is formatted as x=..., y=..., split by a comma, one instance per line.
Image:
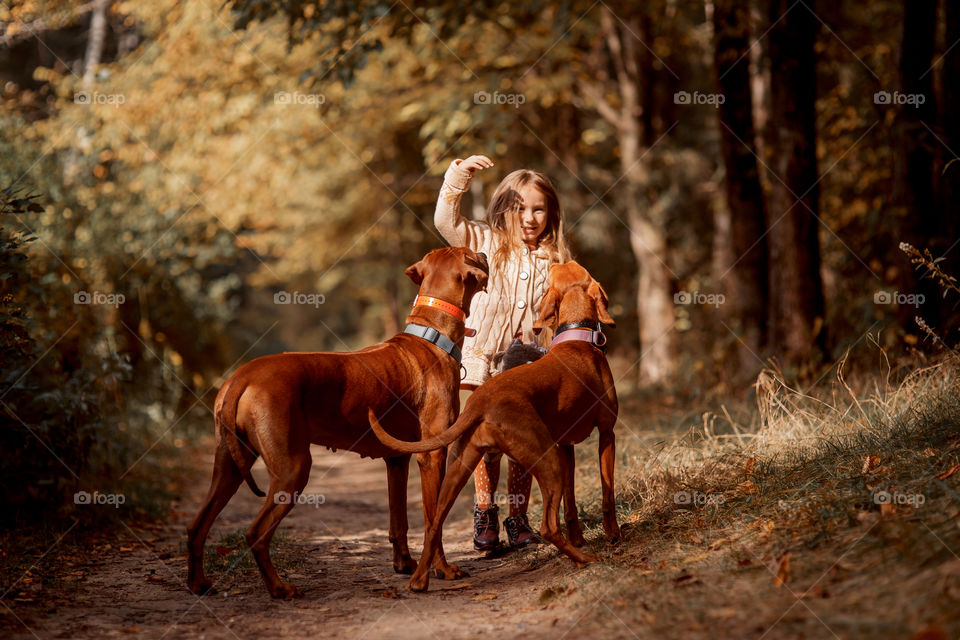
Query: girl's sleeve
x=456, y=229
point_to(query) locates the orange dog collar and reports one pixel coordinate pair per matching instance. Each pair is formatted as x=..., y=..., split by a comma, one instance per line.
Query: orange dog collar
x=442, y=305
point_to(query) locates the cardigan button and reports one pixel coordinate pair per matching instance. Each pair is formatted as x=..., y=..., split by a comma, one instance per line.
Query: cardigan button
x=524, y=275
x=521, y=304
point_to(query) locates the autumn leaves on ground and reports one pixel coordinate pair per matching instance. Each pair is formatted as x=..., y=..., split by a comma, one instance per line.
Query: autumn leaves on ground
x=833, y=514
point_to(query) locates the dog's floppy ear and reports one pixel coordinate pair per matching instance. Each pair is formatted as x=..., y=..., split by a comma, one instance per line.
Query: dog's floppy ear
x=479, y=276
x=599, y=296
x=416, y=272
x=548, y=311
x=479, y=273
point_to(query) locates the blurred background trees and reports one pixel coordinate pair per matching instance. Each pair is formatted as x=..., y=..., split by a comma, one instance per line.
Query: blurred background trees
x=738, y=175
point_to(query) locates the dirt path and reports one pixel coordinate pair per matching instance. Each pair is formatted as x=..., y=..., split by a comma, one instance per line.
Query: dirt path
x=338, y=553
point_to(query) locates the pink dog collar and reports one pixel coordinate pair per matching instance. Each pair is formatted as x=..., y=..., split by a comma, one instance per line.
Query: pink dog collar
x=596, y=338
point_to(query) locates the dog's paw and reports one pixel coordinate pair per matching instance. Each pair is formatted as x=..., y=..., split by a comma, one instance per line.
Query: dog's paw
x=202, y=588
x=450, y=572
x=586, y=558
x=285, y=591
x=419, y=583
x=407, y=566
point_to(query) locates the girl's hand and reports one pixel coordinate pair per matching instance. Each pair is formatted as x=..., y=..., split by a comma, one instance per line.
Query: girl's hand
x=474, y=163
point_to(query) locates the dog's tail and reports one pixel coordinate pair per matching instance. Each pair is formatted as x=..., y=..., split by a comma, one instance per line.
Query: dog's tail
x=225, y=418
x=463, y=423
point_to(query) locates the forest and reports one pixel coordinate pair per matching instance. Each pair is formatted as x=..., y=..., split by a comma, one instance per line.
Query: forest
x=767, y=190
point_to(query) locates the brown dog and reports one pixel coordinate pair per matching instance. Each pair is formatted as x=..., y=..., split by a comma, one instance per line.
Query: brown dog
x=535, y=413
x=276, y=406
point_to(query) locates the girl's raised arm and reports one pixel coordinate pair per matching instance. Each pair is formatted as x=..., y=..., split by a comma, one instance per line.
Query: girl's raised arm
x=456, y=229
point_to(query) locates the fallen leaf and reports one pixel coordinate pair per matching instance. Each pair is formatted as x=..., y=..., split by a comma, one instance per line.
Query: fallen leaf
x=783, y=571
x=131, y=630
x=222, y=551
x=486, y=596
x=155, y=579
x=390, y=593
x=749, y=466
x=870, y=463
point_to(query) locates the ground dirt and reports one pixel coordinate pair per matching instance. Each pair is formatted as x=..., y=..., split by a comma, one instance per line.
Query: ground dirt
x=891, y=573
x=336, y=552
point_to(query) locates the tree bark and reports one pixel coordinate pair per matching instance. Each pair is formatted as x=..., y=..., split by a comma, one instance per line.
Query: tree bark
x=950, y=81
x=796, y=286
x=747, y=276
x=92, y=56
x=949, y=181
x=98, y=34
x=915, y=181
x=655, y=313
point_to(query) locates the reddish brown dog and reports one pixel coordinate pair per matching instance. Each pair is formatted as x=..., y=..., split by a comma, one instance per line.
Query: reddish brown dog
x=276, y=406
x=535, y=413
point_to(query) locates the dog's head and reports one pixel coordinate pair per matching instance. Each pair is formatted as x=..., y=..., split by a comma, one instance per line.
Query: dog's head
x=573, y=296
x=453, y=274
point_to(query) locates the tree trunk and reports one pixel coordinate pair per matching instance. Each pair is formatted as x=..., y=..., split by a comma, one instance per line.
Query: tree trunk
x=655, y=310
x=655, y=313
x=796, y=287
x=949, y=181
x=747, y=275
x=950, y=81
x=92, y=56
x=98, y=34
x=914, y=188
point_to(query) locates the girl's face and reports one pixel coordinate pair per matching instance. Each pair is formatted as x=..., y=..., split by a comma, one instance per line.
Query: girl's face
x=532, y=214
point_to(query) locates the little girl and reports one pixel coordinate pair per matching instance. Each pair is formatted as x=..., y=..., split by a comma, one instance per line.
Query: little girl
x=522, y=237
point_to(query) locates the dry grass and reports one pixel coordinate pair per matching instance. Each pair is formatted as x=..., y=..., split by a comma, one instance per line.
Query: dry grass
x=816, y=513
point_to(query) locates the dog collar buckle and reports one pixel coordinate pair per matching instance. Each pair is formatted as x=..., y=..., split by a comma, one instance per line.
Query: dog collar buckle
x=433, y=336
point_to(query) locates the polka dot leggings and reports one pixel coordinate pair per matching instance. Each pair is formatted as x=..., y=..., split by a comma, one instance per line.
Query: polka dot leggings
x=486, y=478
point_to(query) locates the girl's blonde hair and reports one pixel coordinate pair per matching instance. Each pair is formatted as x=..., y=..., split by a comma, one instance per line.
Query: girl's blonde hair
x=506, y=202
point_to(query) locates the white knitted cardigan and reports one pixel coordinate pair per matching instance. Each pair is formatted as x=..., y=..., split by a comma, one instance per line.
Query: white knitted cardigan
x=514, y=292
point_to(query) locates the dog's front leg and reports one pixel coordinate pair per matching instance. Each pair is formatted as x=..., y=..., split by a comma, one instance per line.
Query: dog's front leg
x=398, y=471
x=608, y=449
x=432, y=468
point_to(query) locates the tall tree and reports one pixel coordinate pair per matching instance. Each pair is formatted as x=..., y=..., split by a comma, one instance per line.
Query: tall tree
x=796, y=286
x=748, y=279
x=950, y=125
x=647, y=224
x=914, y=175
x=950, y=82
